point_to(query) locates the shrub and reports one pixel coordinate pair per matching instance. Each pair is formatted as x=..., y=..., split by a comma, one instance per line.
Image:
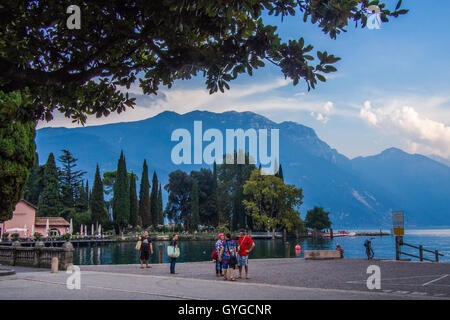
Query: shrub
x=66, y=236
x=15, y=236
x=222, y=229
x=37, y=236
x=5, y=236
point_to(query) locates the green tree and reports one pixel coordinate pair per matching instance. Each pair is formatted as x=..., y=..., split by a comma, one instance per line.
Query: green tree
x=97, y=206
x=216, y=212
x=133, y=202
x=17, y=150
x=121, y=198
x=81, y=202
x=205, y=184
x=33, y=187
x=144, y=197
x=194, y=207
x=231, y=179
x=271, y=203
x=318, y=219
x=160, y=205
x=154, y=201
x=50, y=199
x=70, y=179
x=81, y=73
x=279, y=174
x=179, y=201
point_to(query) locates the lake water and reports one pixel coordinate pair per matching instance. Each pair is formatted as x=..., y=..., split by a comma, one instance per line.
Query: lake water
x=192, y=251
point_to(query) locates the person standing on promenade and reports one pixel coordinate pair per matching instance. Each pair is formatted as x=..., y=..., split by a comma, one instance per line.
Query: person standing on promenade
x=146, y=249
x=228, y=257
x=246, y=245
x=173, y=260
x=219, y=246
x=341, y=251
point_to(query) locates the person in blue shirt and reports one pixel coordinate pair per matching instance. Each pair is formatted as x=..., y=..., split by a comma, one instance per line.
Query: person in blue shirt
x=228, y=257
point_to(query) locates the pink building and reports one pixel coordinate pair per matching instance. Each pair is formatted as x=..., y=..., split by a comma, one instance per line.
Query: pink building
x=24, y=222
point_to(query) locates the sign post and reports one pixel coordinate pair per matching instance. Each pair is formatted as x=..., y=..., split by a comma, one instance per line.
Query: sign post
x=398, y=218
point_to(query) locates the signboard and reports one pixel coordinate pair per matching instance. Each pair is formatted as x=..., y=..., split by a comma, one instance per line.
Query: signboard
x=399, y=223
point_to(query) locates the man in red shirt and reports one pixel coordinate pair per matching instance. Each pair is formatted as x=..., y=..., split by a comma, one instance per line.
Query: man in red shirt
x=246, y=245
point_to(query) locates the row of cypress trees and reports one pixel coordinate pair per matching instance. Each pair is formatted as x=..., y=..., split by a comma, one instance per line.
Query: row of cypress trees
x=128, y=209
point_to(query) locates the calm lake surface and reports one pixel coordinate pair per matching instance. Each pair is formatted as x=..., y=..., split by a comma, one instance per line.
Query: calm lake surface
x=192, y=251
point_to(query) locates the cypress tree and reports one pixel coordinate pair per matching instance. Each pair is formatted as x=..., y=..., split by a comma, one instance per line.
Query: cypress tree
x=216, y=216
x=279, y=174
x=33, y=187
x=144, y=197
x=195, y=207
x=49, y=204
x=82, y=199
x=133, y=202
x=160, y=205
x=154, y=211
x=121, y=198
x=97, y=202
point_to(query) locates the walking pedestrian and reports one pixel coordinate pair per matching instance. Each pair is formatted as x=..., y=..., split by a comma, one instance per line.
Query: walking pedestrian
x=146, y=249
x=246, y=245
x=173, y=259
x=228, y=257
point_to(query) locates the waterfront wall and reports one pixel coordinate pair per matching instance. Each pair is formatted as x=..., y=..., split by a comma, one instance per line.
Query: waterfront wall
x=38, y=257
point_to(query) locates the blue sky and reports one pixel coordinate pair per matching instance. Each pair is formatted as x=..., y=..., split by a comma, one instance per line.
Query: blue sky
x=392, y=87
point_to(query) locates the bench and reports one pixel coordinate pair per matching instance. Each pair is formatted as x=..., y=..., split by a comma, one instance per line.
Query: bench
x=322, y=254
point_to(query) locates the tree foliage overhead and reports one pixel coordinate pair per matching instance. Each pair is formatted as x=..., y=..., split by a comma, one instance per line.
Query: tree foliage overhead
x=78, y=72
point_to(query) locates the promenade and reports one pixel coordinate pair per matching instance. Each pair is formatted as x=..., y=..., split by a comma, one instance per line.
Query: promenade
x=270, y=279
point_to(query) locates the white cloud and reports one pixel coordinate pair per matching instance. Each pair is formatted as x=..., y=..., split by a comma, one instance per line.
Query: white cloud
x=420, y=134
x=258, y=97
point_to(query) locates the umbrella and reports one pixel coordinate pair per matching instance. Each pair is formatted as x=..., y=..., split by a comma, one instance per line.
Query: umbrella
x=92, y=229
x=25, y=231
x=32, y=230
x=81, y=229
x=100, y=229
x=71, y=226
x=47, y=227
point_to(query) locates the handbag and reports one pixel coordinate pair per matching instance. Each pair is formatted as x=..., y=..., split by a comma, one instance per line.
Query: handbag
x=173, y=252
x=138, y=245
x=214, y=255
x=233, y=259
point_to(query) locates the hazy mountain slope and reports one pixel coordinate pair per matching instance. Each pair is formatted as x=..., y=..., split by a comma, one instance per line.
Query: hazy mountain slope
x=359, y=192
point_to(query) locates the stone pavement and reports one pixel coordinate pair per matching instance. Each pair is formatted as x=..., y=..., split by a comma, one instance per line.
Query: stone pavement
x=270, y=279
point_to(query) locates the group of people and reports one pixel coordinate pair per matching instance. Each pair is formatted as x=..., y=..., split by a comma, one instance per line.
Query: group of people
x=145, y=248
x=228, y=254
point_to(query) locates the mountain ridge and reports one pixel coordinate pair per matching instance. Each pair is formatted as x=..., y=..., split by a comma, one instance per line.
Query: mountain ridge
x=348, y=188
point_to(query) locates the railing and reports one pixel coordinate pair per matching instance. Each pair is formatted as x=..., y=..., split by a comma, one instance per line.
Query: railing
x=421, y=252
x=39, y=257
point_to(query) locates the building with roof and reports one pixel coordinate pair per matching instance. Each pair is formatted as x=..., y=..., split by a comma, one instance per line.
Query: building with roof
x=25, y=223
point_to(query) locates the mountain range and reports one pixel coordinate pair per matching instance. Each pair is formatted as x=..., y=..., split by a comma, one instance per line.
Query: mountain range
x=359, y=193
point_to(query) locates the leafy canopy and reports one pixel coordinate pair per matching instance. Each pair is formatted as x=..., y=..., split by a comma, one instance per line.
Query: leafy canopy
x=80, y=72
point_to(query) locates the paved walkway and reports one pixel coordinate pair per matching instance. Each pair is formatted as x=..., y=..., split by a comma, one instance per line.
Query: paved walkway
x=270, y=279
